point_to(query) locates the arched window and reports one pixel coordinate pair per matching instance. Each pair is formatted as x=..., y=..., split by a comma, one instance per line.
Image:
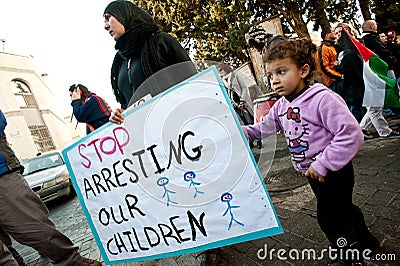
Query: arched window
x=23, y=93
x=34, y=120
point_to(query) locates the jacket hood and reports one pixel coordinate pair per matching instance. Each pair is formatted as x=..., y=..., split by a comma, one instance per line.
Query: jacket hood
x=311, y=92
x=129, y=14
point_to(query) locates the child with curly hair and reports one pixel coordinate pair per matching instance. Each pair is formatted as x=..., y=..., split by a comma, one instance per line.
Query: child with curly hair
x=322, y=136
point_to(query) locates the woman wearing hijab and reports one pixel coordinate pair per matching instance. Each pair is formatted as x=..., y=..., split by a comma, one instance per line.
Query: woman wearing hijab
x=142, y=50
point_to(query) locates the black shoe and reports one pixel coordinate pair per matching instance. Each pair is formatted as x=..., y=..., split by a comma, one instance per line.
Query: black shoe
x=392, y=135
x=367, y=135
x=368, y=241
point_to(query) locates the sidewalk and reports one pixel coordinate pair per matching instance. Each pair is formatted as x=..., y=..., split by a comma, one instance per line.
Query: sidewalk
x=376, y=192
x=377, y=189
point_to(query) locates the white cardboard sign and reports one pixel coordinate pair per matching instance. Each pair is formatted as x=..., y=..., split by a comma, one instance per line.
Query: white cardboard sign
x=176, y=177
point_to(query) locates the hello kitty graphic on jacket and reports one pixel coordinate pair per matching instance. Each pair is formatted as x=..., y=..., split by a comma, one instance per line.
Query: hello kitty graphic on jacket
x=295, y=134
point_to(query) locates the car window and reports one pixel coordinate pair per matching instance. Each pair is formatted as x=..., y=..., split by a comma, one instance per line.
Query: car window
x=42, y=163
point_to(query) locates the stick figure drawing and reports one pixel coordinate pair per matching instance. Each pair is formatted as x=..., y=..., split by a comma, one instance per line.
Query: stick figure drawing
x=227, y=197
x=162, y=182
x=189, y=177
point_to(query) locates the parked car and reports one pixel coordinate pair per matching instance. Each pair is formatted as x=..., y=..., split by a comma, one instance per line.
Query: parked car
x=47, y=176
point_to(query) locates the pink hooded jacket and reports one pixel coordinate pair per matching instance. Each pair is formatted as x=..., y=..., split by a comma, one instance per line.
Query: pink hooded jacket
x=318, y=126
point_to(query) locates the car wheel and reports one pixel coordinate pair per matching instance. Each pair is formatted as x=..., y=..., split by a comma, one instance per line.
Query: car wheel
x=72, y=192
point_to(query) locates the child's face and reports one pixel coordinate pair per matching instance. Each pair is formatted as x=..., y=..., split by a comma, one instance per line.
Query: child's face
x=285, y=77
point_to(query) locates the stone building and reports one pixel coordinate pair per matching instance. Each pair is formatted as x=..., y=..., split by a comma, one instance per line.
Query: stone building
x=36, y=123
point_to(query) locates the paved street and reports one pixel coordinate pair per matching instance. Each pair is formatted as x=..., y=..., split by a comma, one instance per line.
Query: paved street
x=377, y=168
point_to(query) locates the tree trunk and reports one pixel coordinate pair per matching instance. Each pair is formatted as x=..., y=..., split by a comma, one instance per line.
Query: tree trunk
x=364, y=6
x=321, y=19
x=294, y=19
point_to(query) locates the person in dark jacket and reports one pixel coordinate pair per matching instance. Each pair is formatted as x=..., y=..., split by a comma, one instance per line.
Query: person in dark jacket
x=350, y=66
x=25, y=217
x=394, y=47
x=88, y=108
x=142, y=50
x=372, y=41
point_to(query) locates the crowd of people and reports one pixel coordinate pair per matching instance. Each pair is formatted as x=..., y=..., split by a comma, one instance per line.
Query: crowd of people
x=324, y=123
x=342, y=68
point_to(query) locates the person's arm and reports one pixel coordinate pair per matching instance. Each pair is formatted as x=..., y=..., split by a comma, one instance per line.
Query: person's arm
x=3, y=123
x=89, y=111
x=268, y=126
x=242, y=88
x=170, y=50
x=338, y=63
x=347, y=135
x=327, y=55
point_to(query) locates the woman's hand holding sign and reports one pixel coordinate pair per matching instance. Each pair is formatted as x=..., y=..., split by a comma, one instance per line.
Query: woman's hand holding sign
x=116, y=116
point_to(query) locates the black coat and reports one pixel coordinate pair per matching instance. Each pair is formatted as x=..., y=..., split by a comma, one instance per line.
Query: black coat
x=132, y=71
x=351, y=67
x=372, y=41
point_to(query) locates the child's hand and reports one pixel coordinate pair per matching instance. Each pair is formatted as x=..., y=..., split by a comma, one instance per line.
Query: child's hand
x=314, y=174
x=245, y=133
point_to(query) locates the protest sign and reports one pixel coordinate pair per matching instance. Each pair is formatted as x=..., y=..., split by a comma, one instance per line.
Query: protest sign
x=176, y=177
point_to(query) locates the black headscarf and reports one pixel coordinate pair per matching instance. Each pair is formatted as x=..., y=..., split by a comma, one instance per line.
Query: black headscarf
x=128, y=13
x=139, y=27
x=138, y=24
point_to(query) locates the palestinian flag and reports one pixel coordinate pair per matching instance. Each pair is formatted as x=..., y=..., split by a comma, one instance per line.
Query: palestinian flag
x=381, y=90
